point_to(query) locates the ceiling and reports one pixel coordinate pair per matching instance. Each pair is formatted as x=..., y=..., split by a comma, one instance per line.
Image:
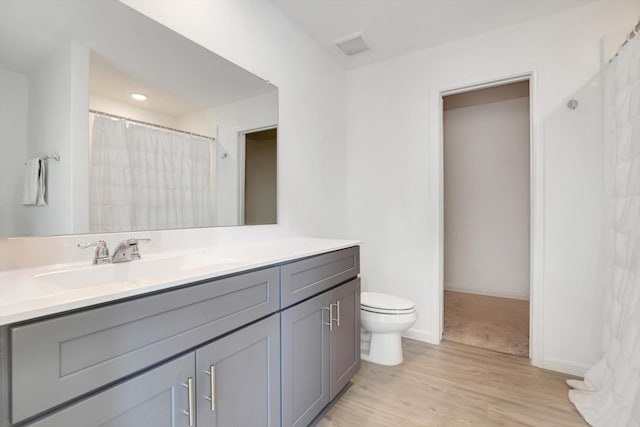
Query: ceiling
x=396, y=27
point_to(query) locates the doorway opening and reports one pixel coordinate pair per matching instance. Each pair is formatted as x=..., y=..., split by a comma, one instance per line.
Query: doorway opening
x=258, y=176
x=487, y=217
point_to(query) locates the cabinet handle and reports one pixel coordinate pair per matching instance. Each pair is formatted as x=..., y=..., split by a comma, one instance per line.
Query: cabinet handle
x=330, y=324
x=212, y=374
x=337, y=319
x=190, y=413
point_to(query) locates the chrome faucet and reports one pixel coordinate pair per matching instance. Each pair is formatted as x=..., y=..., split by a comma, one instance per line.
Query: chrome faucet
x=127, y=250
x=102, y=251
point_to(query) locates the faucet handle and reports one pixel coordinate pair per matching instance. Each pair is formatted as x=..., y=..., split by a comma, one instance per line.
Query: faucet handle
x=102, y=251
x=135, y=254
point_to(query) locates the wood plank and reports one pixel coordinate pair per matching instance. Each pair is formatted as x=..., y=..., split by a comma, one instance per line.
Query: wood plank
x=453, y=384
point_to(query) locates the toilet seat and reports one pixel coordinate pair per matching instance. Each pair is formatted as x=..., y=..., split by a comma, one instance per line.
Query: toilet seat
x=383, y=311
x=385, y=304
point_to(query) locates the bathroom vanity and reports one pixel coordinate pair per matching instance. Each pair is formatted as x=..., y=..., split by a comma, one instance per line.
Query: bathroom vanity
x=268, y=342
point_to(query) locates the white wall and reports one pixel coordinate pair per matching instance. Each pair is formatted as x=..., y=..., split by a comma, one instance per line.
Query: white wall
x=486, y=191
x=312, y=152
x=58, y=92
x=394, y=157
x=50, y=133
x=14, y=94
x=78, y=117
x=230, y=120
x=111, y=106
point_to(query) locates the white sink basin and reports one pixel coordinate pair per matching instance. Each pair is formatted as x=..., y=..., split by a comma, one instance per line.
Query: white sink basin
x=143, y=271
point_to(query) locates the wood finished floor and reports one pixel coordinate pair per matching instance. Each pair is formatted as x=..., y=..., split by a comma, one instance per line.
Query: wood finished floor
x=454, y=385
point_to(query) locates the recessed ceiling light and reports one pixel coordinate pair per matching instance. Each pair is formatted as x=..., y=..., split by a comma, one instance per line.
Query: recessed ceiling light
x=138, y=96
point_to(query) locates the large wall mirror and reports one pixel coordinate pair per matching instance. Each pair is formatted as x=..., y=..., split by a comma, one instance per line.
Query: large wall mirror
x=110, y=122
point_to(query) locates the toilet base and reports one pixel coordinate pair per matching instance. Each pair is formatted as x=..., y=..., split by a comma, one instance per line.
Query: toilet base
x=385, y=349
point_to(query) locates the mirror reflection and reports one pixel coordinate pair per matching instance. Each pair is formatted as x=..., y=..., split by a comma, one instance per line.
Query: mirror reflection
x=151, y=131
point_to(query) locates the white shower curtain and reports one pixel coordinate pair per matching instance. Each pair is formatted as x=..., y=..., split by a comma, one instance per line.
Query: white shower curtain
x=609, y=394
x=145, y=178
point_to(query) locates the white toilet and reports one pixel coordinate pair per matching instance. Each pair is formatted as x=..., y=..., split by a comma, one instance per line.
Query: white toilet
x=383, y=318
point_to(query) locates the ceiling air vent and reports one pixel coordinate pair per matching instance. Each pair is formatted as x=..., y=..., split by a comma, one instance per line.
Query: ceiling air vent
x=352, y=44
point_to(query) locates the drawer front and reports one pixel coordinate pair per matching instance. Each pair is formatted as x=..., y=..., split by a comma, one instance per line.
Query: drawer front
x=311, y=276
x=58, y=359
x=156, y=398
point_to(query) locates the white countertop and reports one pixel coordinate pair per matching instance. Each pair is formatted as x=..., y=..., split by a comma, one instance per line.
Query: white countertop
x=27, y=293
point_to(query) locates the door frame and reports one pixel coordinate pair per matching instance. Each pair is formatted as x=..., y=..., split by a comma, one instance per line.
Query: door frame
x=242, y=142
x=536, y=194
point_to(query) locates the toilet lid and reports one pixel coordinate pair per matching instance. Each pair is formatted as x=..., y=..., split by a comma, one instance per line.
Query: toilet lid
x=374, y=301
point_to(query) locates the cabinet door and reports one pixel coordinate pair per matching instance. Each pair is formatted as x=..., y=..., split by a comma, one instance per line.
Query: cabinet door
x=345, y=335
x=158, y=398
x=305, y=361
x=238, y=378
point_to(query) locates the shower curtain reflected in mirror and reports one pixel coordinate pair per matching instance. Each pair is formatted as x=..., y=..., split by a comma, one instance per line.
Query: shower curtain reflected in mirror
x=146, y=178
x=609, y=394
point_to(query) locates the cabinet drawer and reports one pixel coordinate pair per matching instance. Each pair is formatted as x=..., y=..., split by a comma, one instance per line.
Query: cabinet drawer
x=303, y=279
x=61, y=358
x=154, y=399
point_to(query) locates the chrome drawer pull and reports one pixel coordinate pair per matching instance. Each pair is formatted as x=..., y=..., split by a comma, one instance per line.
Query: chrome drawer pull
x=190, y=413
x=337, y=319
x=212, y=374
x=330, y=324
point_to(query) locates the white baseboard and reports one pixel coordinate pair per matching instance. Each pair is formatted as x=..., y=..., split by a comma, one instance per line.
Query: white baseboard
x=420, y=335
x=499, y=294
x=566, y=367
x=557, y=365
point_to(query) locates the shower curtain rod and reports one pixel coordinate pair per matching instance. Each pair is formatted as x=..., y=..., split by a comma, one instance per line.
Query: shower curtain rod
x=631, y=35
x=113, y=116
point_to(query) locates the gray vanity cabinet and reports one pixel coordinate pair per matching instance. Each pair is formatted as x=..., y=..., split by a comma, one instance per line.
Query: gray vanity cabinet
x=238, y=378
x=234, y=381
x=221, y=352
x=157, y=398
x=345, y=335
x=305, y=361
x=320, y=351
x=59, y=359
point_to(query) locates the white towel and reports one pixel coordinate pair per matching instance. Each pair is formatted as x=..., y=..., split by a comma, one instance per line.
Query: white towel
x=31, y=182
x=35, y=183
x=42, y=183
